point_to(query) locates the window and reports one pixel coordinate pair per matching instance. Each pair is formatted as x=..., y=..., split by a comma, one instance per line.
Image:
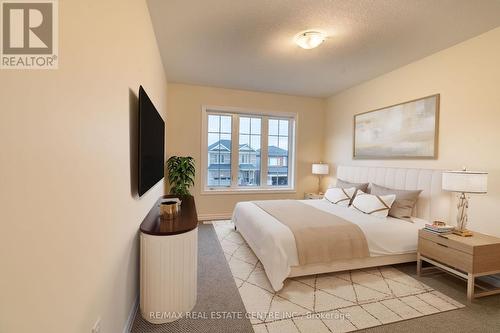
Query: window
x=277, y=151
x=219, y=150
x=247, y=151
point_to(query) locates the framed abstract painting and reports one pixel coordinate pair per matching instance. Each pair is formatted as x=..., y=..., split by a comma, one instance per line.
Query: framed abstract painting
x=407, y=130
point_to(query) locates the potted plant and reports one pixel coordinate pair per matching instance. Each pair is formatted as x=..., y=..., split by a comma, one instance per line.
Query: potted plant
x=181, y=172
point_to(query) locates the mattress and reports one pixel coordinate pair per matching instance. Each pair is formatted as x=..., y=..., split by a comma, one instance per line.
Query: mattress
x=274, y=243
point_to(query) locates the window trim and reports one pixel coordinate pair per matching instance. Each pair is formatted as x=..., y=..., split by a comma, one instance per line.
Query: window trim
x=265, y=115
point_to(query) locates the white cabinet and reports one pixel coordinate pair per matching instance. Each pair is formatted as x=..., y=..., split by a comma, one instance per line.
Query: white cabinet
x=168, y=275
x=169, y=263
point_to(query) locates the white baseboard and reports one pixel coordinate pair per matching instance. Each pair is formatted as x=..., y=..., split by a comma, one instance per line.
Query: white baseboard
x=213, y=217
x=131, y=316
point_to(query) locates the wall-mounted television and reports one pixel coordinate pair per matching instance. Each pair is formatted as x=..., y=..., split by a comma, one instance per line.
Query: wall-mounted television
x=151, y=150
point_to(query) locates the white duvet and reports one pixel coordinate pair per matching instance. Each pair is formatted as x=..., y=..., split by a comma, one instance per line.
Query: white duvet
x=274, y=243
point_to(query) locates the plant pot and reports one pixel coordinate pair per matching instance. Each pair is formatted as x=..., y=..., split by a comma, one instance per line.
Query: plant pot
x=169, y=209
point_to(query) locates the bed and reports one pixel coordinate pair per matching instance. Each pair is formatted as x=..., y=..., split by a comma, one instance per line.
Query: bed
x=390, y=241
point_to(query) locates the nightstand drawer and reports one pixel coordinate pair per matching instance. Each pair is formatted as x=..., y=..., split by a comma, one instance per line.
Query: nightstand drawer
x=447, y=240
x=442, y=252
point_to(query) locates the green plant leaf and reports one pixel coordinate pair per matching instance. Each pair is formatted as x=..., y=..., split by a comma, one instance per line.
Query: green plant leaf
x=181, y=172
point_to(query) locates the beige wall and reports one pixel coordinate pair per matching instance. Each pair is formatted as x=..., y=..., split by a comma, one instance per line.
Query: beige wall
x=184, y=135
x=68, y=239
x=468, y=78
x=68, y=244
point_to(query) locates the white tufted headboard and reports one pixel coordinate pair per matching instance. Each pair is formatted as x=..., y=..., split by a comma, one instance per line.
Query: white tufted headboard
x=433, y=203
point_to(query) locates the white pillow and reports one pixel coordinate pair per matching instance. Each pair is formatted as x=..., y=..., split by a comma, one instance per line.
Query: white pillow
x=375, y=205
x=340, y=196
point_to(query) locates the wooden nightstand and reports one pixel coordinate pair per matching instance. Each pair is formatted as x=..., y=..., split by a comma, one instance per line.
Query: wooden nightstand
x=313, y=196
x=466, y=257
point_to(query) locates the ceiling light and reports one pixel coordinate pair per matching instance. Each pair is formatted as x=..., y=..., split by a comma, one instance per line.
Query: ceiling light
x=310, y=39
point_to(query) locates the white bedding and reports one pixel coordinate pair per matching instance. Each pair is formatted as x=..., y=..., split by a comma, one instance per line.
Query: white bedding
x=274, y=243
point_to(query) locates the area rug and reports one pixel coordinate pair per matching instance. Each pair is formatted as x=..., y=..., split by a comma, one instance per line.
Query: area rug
x=333, y=302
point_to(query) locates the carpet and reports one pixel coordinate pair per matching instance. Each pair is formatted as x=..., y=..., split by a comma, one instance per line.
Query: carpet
x=333, y=302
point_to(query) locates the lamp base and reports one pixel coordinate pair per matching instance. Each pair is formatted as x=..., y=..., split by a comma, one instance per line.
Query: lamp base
x=463, y=233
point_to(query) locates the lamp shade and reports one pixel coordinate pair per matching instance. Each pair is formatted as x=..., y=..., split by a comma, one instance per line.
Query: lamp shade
x=320, y=169
x=465, y=181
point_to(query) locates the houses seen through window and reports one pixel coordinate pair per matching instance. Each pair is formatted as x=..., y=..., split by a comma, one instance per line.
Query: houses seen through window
x=277, y=174
x=249, y=150
x=255, y=167
x=219, y=150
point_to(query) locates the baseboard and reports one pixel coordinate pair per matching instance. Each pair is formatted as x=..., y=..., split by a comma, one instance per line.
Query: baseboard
x=131, y=316
x=212, y=217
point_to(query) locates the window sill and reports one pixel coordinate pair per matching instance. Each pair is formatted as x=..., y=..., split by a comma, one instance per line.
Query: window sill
x=248, y=191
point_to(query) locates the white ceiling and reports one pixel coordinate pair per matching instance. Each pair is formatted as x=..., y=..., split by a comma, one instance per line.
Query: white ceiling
x=248, y=44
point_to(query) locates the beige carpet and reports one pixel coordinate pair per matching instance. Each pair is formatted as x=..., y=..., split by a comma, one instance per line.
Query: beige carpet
x=334, y=302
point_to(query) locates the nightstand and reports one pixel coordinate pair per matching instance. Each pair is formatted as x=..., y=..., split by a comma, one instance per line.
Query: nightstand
x=313, y=196
x=465, y=257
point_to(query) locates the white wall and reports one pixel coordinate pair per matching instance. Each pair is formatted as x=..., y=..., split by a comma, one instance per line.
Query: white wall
x=467, y=76
x=68, y=239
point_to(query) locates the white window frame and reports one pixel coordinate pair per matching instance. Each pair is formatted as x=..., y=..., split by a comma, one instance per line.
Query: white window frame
x=264, y=115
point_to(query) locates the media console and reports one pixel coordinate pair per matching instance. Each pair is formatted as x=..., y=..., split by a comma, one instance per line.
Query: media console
x=168, y=263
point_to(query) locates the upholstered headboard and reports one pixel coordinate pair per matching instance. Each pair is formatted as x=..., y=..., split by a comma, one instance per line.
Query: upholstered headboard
x=433, y=202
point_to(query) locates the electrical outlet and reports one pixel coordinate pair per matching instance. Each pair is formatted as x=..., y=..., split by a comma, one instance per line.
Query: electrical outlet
x=97, y=326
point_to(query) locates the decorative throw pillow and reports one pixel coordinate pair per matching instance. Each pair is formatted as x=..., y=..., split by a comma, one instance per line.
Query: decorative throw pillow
x=340, y=196
x=345, y=184
x=375, y=205
x=359, y=186
x=403, y=205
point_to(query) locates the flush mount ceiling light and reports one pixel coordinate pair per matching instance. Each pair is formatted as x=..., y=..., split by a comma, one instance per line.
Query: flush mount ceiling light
x=310, y=39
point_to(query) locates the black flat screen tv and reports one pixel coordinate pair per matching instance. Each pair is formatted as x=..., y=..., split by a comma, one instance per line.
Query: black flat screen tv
x=151, y=144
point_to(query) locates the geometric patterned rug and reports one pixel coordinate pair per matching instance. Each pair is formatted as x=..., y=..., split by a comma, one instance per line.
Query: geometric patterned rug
x=332, y=302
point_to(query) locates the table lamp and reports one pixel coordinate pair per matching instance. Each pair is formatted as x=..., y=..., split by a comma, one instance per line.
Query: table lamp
x=319, y=169
x=464, y=182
